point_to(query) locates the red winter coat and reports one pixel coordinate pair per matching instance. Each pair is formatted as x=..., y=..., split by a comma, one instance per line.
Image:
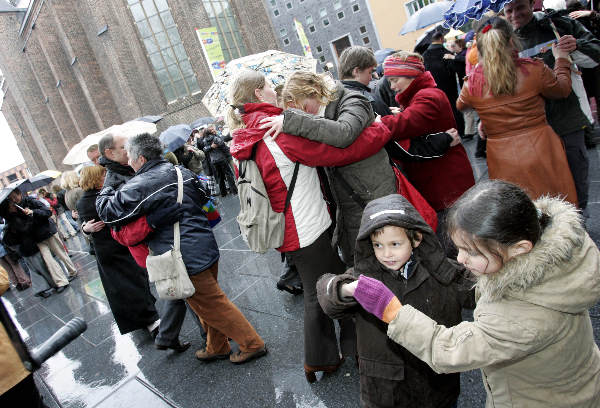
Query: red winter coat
x=132, y=236
x=427, y=110
x=307, y=216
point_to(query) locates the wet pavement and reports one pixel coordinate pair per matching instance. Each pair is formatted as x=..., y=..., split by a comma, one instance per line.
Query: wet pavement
x=103, y=368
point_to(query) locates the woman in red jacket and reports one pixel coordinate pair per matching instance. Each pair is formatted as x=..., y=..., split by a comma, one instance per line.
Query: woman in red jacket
x=425, y=109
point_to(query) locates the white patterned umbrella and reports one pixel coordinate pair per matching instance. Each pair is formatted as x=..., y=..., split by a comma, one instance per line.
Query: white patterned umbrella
x=277, y=66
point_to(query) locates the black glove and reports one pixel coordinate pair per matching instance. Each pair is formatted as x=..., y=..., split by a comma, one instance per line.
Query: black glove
x=165, y=216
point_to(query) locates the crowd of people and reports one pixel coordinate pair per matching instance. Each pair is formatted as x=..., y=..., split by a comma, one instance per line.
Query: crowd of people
x=385, y=231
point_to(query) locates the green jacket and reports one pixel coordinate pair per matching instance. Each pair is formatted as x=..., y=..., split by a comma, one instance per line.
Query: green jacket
x=343, y=121
x=564, y=115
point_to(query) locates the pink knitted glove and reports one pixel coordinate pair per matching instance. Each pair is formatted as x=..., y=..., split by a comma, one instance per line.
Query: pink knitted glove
x=373, y=295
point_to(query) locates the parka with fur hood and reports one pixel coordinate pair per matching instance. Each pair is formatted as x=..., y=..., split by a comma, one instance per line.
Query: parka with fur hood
x=390, y=376
x=532, y=335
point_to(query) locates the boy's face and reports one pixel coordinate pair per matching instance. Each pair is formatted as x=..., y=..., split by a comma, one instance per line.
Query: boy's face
x=363, y=76
x=392, y=247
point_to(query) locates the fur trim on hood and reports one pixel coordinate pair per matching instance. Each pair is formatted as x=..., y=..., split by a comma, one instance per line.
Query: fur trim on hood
x=560, y=272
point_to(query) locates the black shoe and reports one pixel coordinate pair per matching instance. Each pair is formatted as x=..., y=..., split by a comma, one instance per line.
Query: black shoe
x=61, y=289
x=45, y=293
x=179, y=347
x=294, y=290
x=71, y=277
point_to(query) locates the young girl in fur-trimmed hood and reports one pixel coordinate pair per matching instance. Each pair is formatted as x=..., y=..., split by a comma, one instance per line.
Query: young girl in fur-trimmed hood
x=538, y=274
x=397, y=246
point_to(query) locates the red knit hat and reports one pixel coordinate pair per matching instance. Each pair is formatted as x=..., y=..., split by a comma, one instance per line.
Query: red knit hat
x=410, y=67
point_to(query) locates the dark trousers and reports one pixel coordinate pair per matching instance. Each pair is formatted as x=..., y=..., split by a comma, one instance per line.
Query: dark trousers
x=172, y=315
x=320, y=343
x=578, y=163
x=224, y=174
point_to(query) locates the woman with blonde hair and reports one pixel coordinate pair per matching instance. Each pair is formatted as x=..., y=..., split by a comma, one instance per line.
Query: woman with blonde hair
x=508, y=94
x=325, y=111
x=307, y=240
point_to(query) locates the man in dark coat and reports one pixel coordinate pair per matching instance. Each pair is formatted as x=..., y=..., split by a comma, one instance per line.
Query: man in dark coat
x=444, y=75
x=218, y=154
x=564, y=115
x=154, y=186
x=114, y=158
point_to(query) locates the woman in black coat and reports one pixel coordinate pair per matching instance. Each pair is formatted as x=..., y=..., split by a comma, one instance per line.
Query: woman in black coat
x=125, y=282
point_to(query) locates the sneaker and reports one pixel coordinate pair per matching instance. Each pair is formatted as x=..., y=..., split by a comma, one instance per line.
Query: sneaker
x=205, y=356
x=241, y=357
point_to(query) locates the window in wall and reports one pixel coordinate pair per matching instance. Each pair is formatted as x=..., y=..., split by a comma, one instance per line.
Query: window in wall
x=220, y=15
x=286, y=41
x=337, y=4
x=366, y=40
x=340, y=15
x=319, y=48
x=322, y=12
x=164, y=48
x=309, y=20
x=325, y=22
x=283, y=32
x=415, y=5
x=276, y=12
x=355, y=8
x=273, y=3
x=322, y=58
x=288, y=5
x=362, y=29
x=312, y=29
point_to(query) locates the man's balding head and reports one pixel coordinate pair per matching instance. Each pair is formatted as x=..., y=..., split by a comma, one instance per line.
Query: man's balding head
x=112, y=147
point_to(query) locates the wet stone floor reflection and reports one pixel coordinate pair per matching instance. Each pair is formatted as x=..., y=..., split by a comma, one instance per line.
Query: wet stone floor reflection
x=103, y=368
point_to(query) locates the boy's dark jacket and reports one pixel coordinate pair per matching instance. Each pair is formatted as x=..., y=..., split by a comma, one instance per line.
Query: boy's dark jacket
x=436, y=286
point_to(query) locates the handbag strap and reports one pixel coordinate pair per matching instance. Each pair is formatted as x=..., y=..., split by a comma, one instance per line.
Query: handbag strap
x=176, y=233
x=288, y=196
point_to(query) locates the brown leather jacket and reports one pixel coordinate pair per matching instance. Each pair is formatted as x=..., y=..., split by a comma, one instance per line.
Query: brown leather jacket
x=521, y=147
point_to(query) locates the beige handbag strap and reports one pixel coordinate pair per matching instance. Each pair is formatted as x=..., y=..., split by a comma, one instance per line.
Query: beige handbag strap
x=179, y=200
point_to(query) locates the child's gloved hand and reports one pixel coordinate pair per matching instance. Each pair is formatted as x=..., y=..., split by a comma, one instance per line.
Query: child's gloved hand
x=376, y=298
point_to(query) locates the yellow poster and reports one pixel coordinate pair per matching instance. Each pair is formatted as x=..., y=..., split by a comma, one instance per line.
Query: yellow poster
x=303, y=39
x=211, y=45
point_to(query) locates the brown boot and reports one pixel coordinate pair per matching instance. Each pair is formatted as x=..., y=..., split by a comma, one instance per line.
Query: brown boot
x=205, y=356
x=241, y=357
x=310, y=371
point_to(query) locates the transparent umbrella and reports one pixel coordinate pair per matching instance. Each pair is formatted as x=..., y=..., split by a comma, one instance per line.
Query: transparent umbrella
x=275, y=65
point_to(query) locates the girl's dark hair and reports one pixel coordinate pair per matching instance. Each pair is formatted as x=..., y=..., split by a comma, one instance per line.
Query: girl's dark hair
x=494, y=213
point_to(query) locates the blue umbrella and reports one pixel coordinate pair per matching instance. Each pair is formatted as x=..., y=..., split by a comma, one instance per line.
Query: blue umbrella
x=464, y=10
x=380, y=55
x=202, y=121
x=175, y=136
x=427, y=16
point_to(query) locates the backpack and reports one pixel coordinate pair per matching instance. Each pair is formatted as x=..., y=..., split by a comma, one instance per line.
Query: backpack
x=260, y=226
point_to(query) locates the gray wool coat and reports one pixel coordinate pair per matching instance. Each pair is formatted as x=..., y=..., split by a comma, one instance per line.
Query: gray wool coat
x=343, y=121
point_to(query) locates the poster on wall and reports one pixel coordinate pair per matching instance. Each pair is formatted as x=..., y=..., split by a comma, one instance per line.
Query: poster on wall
x=303, y=39
x=211, y=45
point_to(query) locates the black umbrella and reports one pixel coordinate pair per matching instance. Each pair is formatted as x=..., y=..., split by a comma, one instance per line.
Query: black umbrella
x=150, y=119
x=424, y=41
x=36, y=182
x=5, y=192
x=202, y=121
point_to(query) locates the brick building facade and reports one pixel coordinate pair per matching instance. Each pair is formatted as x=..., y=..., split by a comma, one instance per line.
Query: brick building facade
x=19, y=172
x=74, y=67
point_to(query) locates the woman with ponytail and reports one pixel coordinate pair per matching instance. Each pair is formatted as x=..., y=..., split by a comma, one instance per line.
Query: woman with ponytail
x=508, y=94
